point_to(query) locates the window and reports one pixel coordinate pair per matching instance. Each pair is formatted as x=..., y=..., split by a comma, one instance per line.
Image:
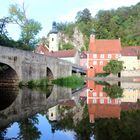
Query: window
x=102, y=56
x=109, y=101
x=101, y=62
x=102, y=101
x=117, y=55
x=101, y=94
x=94, y=62
x=94, y=101
x=109, y=55
x=94, y=55
x=94, y=94
x=52, y=39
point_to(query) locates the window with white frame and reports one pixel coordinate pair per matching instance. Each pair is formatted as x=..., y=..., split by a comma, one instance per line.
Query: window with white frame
x=94, y=94
x=101, y=94
x=94, y=62
x=117, y=56
x=94, y=101
x=94, y=55
x=101, y=62
x=102, y=101
x=102, y=56
x=109, y=55
x=109, y=101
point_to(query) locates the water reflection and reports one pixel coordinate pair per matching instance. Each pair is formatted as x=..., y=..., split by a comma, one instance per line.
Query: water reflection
x=7, y=96
x=97, y=112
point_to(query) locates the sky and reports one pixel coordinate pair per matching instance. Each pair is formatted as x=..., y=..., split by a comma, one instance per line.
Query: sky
x=47, y=11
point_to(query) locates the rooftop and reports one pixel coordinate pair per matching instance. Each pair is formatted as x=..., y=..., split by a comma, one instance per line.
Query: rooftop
x=104, y=46
x=130, y=51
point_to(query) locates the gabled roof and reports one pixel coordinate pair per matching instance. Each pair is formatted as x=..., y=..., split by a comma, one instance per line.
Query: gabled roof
x=62, y=53
x=130, y=51
x=105, y=46
x=104, y=111
x=42, y=49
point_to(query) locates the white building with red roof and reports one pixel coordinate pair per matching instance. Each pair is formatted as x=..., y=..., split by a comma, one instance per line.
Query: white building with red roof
x=131, y=57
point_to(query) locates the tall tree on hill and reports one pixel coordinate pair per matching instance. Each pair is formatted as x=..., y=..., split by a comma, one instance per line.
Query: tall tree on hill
x=29, y=27
x=83, y=16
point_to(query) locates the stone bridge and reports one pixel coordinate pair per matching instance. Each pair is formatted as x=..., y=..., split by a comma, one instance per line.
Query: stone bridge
x=22, y=65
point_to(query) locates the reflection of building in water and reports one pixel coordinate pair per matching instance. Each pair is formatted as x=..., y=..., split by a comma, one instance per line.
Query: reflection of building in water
x=99, y=104
x=130, y=95
x=53, y=114
x=130, y=99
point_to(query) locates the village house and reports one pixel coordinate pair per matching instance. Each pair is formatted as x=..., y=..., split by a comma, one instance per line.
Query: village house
x=99, y=104
x=131, y=58
x=100, y=53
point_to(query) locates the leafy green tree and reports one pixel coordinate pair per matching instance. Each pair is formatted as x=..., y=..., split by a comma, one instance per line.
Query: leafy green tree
x=29, y=27
x=114, y=67
x=28, y=130
x=113, y=91
x=83, y=16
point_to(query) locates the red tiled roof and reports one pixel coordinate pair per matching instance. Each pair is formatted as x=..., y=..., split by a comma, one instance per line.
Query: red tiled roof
x=104, y=111
x=105, y=46
x=131, y=51
x=42, y=48
x=68, y=103
x=62, y=53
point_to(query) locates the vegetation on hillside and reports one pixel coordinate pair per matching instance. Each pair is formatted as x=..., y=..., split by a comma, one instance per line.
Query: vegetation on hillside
x=122, y=23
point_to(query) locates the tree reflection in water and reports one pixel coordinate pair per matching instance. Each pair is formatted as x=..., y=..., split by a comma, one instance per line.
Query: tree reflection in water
x=28, y=130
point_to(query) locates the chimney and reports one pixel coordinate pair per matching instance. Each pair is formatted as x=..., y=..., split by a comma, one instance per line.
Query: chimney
x=92, y=41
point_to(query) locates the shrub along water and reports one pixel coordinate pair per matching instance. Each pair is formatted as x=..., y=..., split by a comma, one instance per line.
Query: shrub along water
x=70, y=81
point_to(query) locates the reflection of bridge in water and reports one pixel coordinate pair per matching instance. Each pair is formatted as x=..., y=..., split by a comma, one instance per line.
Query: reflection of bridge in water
x=27, y=103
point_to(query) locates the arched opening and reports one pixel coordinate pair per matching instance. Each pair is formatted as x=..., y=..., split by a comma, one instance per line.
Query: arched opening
x=49, y=74
x=7, y=96
x=8, y=76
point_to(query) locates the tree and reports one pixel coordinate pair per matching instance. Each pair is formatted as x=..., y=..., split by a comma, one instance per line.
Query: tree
x=29, y=27
x=114, y=67
x=113, y=91
x=83, y=16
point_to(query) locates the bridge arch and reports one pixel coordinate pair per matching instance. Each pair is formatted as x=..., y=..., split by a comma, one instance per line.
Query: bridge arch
x=49, y=73
x=8, y=75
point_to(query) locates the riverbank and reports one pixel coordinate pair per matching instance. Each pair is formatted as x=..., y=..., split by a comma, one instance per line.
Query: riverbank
x=115, y=79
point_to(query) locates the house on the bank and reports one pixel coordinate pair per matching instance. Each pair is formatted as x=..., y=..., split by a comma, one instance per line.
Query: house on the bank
x=131, y=58
x=99, y=104
x=100, y=53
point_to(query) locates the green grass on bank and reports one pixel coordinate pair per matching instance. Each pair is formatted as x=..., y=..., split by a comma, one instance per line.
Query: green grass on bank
x=70, y=81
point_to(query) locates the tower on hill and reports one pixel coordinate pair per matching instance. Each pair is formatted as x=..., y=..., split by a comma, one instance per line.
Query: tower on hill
x=53, y=38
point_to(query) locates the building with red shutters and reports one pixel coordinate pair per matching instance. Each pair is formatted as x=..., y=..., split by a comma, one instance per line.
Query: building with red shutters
x=100, y=53
x=99, y=104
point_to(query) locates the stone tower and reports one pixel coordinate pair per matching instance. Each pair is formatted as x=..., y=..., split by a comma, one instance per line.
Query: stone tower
x=53, y=38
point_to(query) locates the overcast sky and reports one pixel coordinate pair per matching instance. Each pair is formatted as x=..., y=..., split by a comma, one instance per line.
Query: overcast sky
x=47, y=11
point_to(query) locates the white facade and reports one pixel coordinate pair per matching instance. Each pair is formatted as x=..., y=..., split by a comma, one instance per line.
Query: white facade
x=53, y=113
x=53, y=42
x=75, y=59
